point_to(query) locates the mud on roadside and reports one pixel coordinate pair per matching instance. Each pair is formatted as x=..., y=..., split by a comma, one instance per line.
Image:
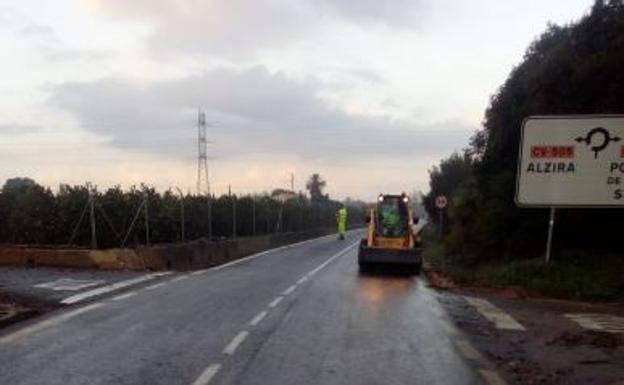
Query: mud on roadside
x=15, y=308
x=552, y=349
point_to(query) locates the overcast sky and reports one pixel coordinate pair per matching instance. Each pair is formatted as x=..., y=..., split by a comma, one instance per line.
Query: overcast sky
x=368, y=93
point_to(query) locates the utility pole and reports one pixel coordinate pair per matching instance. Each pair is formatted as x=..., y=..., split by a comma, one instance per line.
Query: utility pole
x=147, y=232
x=92, y=216
x=253, y=215
x=209, y=216
x=234, y=217
x=181, y=213
x=292, y=182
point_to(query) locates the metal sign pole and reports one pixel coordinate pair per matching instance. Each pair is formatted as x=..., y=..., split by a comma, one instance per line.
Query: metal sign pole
x=551, y=224
x=441, y=221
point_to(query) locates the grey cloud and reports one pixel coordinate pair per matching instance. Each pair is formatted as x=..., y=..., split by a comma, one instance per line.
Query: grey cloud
x=394, y=13
x=254, y=112
x=241, y=27
x=235, y=27
x=49, y=45
x=41, y=32
x=17, y=129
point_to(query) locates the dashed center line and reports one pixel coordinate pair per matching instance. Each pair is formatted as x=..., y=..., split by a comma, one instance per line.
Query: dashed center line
x=207, y=374
x=156, y=286
x=302, y=280
x=276, y=301
x=235, y=343
x=256, y=320
x=289, y=290
x=124, y=296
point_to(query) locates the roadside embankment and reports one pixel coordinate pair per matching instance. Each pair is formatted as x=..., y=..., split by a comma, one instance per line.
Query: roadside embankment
x=183, y=256
x=568, y=276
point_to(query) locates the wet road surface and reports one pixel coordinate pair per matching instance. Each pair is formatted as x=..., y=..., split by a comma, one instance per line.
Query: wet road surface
x=297, y=315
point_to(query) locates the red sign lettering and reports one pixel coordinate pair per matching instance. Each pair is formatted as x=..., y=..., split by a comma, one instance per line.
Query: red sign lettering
x=555, y=152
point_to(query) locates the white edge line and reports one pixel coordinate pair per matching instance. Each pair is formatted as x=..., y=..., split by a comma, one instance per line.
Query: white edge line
x=468, y=350
x=107, y=289
x=302, y=280
x=491, y=377
x=259, y=317
x=281, y=248
x=124, y=296
x=235, y=343
x=500, y=318
x=289, y=290
x=180, y=278
x=276, y=301
x=207, y=374
x=155, y=286
x=47, y=323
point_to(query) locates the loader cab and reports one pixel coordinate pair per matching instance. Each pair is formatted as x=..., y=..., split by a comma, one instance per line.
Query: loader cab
x=392, y=216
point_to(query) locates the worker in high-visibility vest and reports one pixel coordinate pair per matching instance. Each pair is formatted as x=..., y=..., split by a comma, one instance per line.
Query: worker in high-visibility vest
x=341, y=219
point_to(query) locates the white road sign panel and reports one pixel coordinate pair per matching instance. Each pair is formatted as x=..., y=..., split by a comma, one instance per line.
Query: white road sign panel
x=571, y=161
x=441, y=201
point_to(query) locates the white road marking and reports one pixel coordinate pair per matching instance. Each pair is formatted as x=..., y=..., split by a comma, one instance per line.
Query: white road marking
x=491, y=377
x=450, y=329
x=494, y=314
x=207, y=374
x=107, y=289
x=199, y=272
x=47, y=323
x=302, y=280
x=256, y=320
x=289, y=290
x=281, y=248
x=235, y=343
x=155, y=286
x=330, y=259
x=468, y=350
x=276, y=301
x=124, y=296
x=595, y=321
x=180, y=278
x=69, y=284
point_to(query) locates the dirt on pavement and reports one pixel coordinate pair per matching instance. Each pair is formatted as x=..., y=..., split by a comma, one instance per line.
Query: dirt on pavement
x=553, y=349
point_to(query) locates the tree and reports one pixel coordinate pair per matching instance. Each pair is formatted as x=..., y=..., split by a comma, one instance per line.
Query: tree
x=315, y=186
x=445, y=178
x=571, y=69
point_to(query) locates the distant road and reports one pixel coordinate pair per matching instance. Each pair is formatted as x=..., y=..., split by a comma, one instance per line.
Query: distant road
x=296, y=315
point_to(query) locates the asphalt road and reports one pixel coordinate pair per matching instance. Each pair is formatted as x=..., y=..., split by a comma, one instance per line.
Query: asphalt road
x=298, y=315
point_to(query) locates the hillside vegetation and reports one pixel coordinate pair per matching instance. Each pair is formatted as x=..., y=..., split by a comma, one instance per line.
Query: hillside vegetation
x=570, y=69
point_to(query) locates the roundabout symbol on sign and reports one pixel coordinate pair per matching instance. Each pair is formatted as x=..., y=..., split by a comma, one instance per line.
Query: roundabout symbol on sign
x=603, y=139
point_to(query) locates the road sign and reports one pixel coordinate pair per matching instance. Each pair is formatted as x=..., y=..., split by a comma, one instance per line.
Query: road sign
x=441, y=201
x=571, y=161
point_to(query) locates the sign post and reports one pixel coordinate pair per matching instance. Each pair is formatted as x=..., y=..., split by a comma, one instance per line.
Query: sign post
x=441, y=203
x=571, y=161
x=551, y=224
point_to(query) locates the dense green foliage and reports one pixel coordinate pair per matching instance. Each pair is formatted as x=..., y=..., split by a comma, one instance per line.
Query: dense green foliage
x=572, y=69
x=32, y=214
